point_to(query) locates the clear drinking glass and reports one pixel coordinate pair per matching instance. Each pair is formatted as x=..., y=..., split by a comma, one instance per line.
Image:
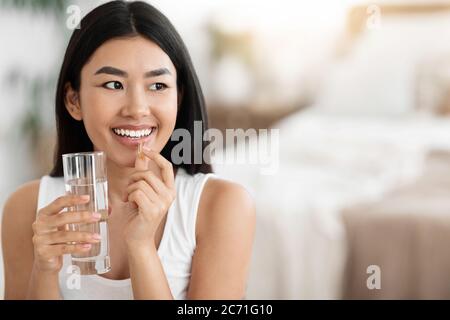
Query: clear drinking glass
x=85, y=174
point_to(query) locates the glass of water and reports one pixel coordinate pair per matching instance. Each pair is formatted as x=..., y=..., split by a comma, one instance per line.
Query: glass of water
x=85, y=174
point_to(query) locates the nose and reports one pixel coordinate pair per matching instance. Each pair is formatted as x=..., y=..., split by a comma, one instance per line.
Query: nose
x=137, y=105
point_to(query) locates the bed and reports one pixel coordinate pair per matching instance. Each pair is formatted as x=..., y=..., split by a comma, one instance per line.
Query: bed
x=331, y=169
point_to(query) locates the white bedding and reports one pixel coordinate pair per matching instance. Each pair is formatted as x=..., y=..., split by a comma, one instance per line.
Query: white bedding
x=326, y=164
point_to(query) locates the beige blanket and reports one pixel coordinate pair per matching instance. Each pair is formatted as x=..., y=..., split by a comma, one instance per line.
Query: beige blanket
x=407, y=235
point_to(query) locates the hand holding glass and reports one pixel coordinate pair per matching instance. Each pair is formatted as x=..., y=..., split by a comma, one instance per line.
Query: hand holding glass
x=85, y=174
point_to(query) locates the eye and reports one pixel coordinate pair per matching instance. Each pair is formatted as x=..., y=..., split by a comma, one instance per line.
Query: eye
x=158, y=86
x=113, y=85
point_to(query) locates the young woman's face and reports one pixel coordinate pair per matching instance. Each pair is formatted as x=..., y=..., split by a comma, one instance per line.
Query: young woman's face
x=128, y=95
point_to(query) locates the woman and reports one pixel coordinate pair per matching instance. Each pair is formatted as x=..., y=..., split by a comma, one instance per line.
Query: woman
x=128, y=78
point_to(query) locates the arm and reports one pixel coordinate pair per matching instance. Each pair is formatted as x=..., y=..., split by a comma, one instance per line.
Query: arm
x=22, y=281
x=153, y=198
x=224, y=238
x=147, y=274
x=33, y=244
x=43, y=286
x=225, y=231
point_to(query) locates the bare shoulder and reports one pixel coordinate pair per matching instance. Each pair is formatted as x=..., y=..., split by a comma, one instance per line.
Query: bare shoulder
x=22, y=204
x=224, y=237
x=224, y=203
x=19, y=213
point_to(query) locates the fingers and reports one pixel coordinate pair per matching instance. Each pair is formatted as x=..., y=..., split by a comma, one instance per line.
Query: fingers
x=51, y=238
x=57, y=250
x=150, y=178
x=142, y=201
x=165, y=166
x=49, y=223
x=64, y=218
x=61, y=237
x=143, y=186
x=63, y=202
x=156, y=184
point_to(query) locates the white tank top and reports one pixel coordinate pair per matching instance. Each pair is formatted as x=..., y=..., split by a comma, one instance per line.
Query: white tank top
x=176, y=248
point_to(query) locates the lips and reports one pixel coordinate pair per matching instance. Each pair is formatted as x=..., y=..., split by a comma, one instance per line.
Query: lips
x=134, y=127
x=131, y=136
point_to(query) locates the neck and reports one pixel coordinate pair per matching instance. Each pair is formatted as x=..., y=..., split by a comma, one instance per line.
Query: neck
x=118, y=179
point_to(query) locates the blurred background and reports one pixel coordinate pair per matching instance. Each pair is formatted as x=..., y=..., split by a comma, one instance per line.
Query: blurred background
x=360, y=94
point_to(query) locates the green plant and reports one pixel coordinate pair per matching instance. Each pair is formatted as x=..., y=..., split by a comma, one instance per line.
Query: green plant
x=36, y=88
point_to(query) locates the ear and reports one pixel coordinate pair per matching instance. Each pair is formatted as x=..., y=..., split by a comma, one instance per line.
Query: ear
x=72, y=102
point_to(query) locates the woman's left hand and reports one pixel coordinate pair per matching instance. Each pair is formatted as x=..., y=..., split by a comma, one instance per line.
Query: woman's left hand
x=152, y=197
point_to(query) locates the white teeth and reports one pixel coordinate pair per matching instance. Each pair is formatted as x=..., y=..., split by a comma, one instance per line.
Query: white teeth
x=132, y=133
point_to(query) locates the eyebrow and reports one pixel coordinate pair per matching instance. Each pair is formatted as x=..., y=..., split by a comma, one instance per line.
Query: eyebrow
x=117, y=72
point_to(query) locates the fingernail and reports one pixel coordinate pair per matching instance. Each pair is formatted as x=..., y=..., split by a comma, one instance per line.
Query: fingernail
x=96, y=215
x=86, y=245
x=96, y=236
x=84, y=197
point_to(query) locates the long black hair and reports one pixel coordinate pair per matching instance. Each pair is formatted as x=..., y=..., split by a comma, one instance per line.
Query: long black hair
x=118, y=19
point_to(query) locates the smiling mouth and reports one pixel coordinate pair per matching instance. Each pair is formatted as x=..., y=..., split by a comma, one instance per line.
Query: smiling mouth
x=133, y=134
